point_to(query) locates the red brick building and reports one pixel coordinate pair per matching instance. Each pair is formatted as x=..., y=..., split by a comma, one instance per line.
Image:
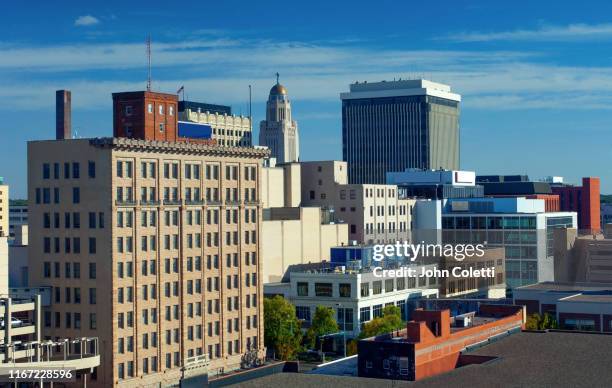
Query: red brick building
x=145, y=115
x=584, y=200
x=433, y=341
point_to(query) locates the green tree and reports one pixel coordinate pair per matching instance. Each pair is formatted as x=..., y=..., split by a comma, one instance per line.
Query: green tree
x=541, y=322
x=323, y=322
x=282, y=331
x=391, y=320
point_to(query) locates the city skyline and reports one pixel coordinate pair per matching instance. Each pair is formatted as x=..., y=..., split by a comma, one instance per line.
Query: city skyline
x=533, y=78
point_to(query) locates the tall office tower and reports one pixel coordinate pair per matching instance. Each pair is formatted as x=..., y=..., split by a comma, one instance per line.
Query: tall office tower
x=392, y=126
x=154, y=248
x=279, y=131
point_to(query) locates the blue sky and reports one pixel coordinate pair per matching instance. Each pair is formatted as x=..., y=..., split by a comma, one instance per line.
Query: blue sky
x=536, y=77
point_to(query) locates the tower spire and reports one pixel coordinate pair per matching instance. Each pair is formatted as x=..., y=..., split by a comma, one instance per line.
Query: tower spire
x=277, y=75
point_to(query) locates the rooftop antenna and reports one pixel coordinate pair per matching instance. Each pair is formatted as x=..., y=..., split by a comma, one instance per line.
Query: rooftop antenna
x=149, y=64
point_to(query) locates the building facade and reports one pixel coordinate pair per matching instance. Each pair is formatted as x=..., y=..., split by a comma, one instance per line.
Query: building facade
x=392, y=126
x=521, y=226
x=297, y=235
x=435, y=184
x=472, y=286
x=433, y=341
x=226, y=129
x=279, y=131
x=582, y=258
x=145, y=115
x=575, y=305
x=374, y=213
x=585, y=200
x=152, y=246
x=356, y=297
x=18, y=216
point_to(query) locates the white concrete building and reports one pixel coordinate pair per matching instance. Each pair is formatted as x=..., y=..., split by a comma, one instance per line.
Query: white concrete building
x=18, y=258
x=18, y=216
x=356, y=296
x=227, y=129
x=279, y=131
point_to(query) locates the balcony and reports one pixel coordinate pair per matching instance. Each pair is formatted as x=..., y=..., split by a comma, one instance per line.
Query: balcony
x=173, y=202
x=78, y=354
x=214, y=202
x=146, y=202
x=233, y=202
x=125, y=202
x=252, y=202
x=194, y=202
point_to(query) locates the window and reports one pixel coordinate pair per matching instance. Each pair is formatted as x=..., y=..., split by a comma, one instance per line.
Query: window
x=46, y=171
x=302, y=313
x=302, y=288
x=76, y=195
x=377, y=311
x=389, y=285
x=344, y=290
x=76, y=170
x=91, y=169
x=377, y=287
x=323, y=289
x=345, y=319
x=364, y=314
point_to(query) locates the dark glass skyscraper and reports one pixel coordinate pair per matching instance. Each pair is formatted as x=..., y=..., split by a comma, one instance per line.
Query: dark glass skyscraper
x=392, y=126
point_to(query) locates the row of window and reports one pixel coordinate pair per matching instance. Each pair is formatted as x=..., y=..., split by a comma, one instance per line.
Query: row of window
x=391, y=285
x=43, y=195
x=150, y=364
x=71, y=320
x=370, y=312
x=148, y=195
x=148, y=169
x=71, y=270
x=73, y=295
x=71, y=170
x=324, y=289
x=73, y=220
x=71, y=245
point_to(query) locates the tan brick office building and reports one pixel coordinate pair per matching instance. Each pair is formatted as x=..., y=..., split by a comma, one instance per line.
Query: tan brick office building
x=151, y=246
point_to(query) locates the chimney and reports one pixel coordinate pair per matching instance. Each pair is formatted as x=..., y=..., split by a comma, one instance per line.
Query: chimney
x=63, y=115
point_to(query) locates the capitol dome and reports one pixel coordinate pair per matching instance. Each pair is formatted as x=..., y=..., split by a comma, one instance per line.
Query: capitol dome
x=277, y=90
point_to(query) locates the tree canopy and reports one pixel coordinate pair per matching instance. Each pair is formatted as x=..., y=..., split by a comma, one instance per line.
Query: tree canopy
x=282, y=331
x=390, y=320
x=323, y=322
x=541, y=322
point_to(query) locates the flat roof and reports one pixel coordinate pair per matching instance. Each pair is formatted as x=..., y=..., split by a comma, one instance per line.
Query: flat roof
x=553, y=359
x=560, y=286
x=477, y=320
x=593, y=298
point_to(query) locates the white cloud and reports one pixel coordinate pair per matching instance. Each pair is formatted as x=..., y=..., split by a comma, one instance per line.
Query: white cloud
x=86, y=20
x=577, y=31
x=219, y=69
